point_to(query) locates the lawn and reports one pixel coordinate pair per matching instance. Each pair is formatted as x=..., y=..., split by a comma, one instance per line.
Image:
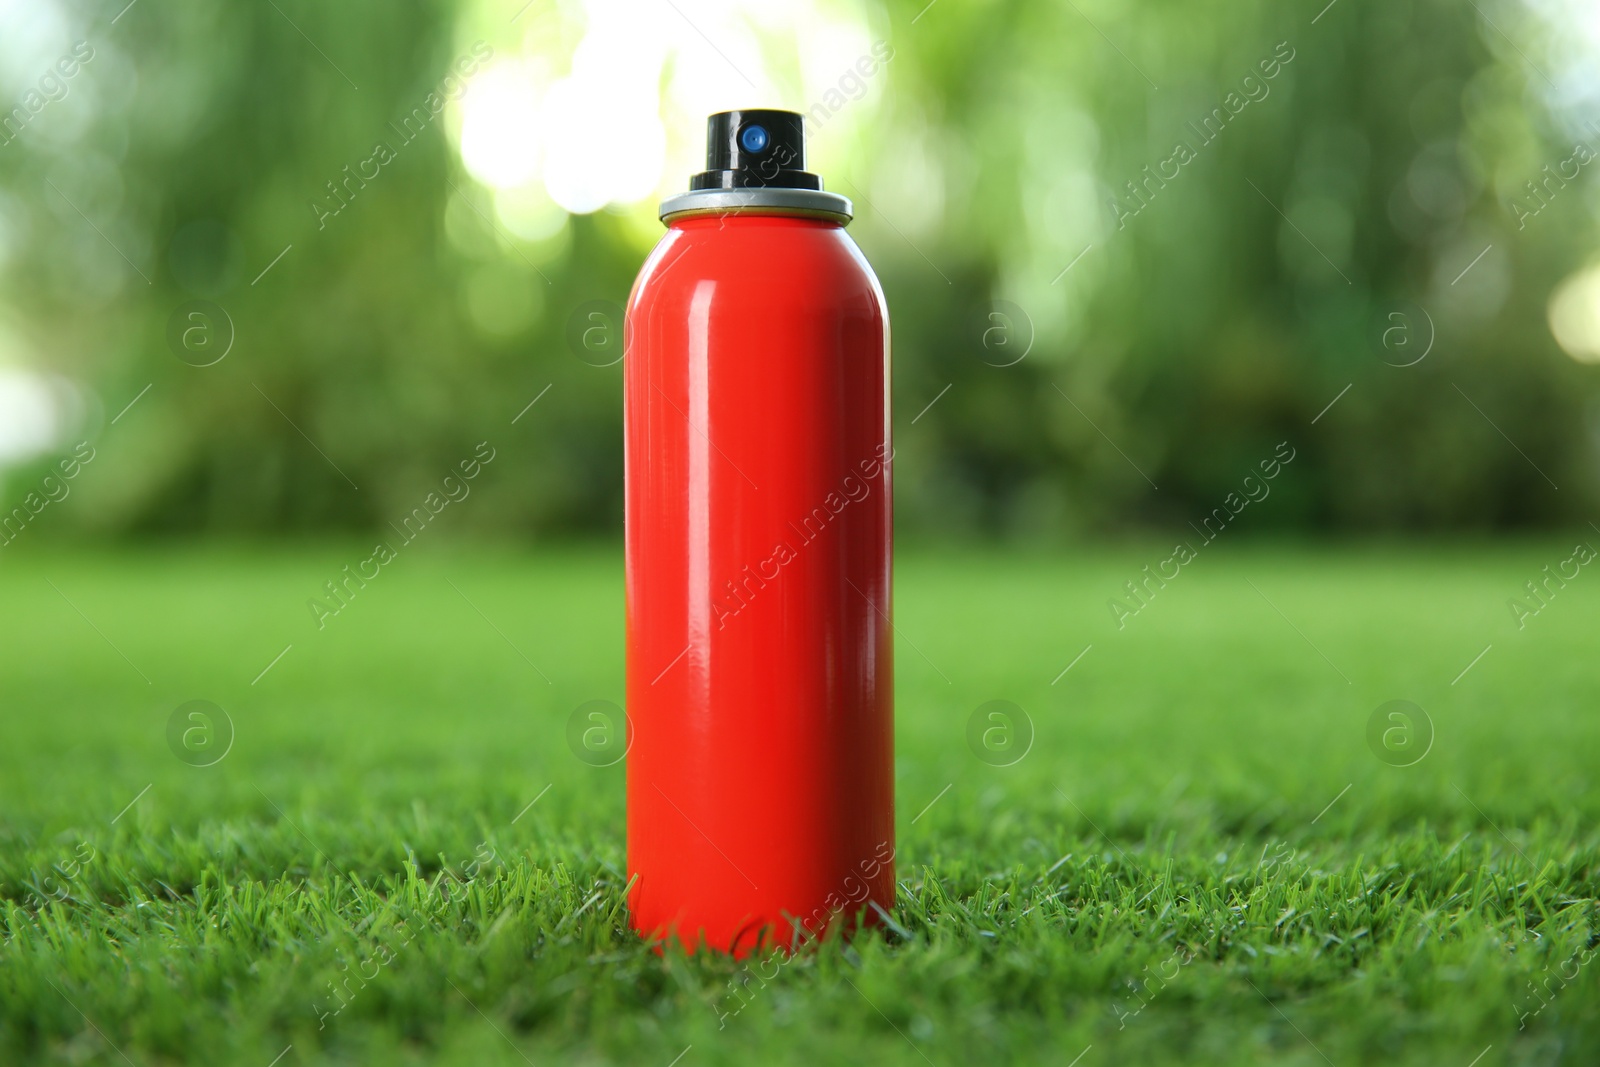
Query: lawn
x=1200, y=859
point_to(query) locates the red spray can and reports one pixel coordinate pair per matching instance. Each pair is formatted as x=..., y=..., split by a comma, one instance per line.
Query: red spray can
x=758, y=532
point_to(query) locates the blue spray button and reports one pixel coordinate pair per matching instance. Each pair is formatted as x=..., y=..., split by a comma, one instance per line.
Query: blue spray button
x=753, y=138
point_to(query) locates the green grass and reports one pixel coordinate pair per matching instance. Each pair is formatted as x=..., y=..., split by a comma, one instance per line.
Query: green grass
x=1200, y=803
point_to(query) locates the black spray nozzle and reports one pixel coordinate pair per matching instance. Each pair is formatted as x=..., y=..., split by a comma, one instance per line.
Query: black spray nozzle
x=755, y=149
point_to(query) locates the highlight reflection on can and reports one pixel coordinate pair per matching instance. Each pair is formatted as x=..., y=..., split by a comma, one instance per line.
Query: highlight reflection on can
x=758, y=533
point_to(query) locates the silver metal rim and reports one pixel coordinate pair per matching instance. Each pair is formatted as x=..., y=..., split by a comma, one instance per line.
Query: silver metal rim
x=707, y=201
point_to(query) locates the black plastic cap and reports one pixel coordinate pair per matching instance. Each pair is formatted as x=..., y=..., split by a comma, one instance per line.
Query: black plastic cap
x=755, y=149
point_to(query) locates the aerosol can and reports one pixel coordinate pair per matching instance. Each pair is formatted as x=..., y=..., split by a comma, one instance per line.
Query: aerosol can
x=758, y=530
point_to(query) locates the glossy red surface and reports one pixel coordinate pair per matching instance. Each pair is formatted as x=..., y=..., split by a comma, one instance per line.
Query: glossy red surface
x=760, y=775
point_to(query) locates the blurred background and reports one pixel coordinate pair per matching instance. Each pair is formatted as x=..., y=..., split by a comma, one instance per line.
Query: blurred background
x=273, y=269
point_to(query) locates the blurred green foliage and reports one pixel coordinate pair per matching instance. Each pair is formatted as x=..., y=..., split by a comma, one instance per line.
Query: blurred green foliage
x=1172, y=341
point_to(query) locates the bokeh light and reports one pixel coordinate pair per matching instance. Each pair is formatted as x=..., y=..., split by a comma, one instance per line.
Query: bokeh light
x=1575, y=316
x=587, y=122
